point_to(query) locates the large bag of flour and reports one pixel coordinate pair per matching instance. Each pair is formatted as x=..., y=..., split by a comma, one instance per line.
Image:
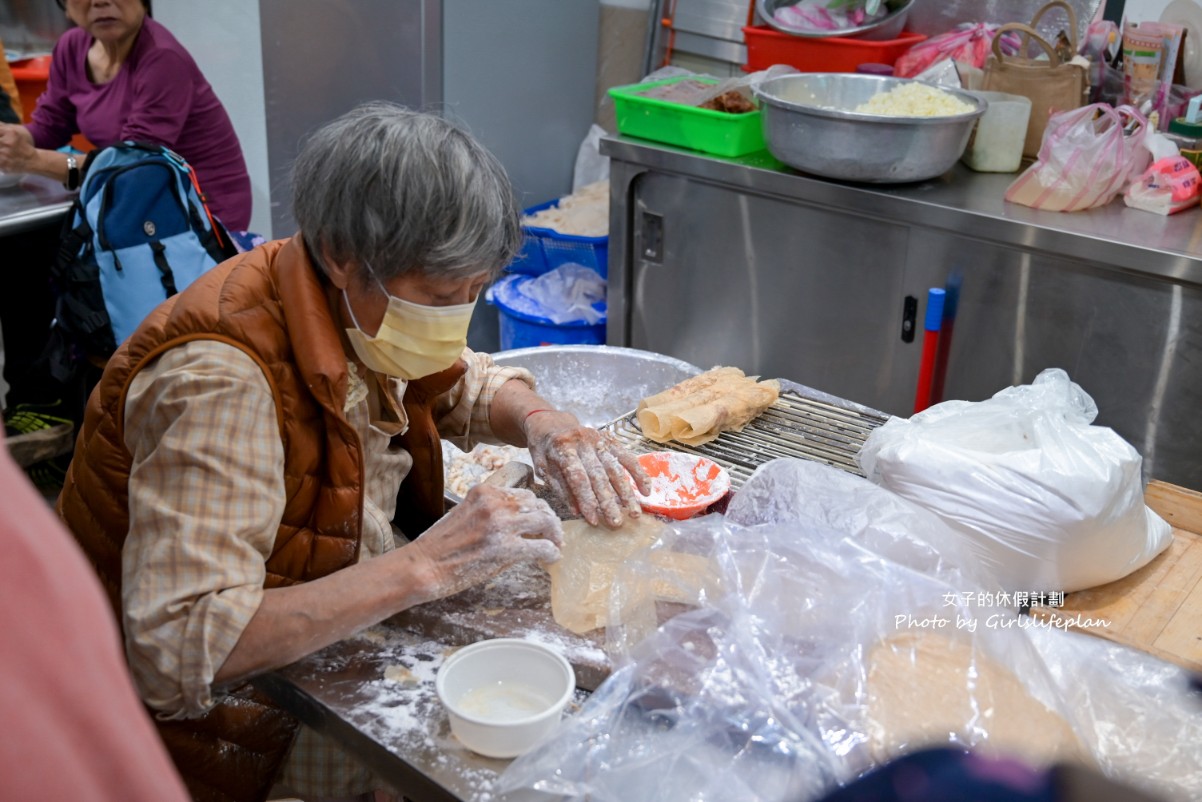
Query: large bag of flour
x=1047, y=501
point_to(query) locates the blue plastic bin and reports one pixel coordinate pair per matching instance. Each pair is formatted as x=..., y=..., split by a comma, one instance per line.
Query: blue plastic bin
x=522, y=327
x=545, y=249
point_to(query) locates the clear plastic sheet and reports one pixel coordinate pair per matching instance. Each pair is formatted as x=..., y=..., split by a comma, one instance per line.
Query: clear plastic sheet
x=745, y=83
x=830, y=502
x=700, y=710
x=834, y=636
x=942, y=73
x=696, y=93
x=1140, y=719
x=933, y=17
x=642, y=584
x=1048, y=501
x=803, y=671
x=723, y=738
x=1107, y=86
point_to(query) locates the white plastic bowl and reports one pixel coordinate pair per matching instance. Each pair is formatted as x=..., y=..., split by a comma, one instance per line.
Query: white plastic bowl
x=504, y=695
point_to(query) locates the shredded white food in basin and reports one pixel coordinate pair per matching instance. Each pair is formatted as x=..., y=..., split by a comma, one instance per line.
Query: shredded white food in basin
x=914, y=100
x=463, y=471
x=584, y=213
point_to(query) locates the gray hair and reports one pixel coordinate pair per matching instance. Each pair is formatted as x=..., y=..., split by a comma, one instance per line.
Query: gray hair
x=404, y=192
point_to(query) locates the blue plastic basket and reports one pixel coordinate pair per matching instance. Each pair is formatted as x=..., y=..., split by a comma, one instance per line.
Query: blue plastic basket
x=520, y=329
x=545, y=249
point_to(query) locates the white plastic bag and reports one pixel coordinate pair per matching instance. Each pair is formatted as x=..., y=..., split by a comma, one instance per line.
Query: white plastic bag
x=568, y=292
x=1048, y=501
x=591, y=166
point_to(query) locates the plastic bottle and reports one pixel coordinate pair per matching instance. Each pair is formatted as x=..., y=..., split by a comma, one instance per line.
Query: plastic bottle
x=1188, y=138
x=1186, y=132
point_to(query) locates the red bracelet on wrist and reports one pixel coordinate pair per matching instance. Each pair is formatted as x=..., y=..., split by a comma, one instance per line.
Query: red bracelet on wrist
x=532, y=412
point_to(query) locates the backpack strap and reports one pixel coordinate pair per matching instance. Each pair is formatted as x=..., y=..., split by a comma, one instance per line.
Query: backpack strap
x=211, y=238
x=76, y=233
x=87, y=320
x=160, y=261
x=204, y=201
x=87, y=162
x=104, y=243
x=220, y=248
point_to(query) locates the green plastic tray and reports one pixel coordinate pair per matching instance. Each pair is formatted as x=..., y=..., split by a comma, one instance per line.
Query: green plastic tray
x=716, y=132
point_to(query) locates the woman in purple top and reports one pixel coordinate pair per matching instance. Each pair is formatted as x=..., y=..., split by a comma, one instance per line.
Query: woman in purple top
x=120, y=75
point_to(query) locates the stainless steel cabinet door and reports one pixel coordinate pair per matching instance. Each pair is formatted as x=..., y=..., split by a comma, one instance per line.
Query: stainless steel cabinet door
x=776, y=288
x=1134, y=343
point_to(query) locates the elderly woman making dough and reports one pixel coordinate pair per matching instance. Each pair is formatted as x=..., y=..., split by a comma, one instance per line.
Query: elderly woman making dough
x=249, y=449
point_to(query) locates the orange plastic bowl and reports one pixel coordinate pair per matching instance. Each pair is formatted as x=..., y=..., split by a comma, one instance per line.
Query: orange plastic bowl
x=682, y=485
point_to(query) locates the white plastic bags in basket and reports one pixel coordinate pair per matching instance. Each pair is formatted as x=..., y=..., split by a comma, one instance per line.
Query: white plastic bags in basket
x=1046, y=501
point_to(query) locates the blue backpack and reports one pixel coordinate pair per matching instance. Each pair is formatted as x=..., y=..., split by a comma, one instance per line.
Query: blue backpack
x=140, y=231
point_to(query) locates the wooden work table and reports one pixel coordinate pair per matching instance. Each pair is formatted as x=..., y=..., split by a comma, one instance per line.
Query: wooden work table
x=1157, y=609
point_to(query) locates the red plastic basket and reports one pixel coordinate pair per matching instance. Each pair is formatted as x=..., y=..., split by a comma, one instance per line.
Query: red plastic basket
x=767, y=46
x=30, y=76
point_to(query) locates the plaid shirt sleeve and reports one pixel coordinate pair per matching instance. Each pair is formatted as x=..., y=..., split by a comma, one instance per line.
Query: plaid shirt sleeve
x=206, y=496
x=463, y=413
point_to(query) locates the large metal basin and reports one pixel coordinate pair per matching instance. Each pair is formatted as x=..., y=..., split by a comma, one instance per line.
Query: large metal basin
x=597, y=383
x=810, y=125
x=889, y=26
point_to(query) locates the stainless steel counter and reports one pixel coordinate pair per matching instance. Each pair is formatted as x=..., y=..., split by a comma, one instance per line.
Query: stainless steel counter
x=750, y=263
x=31, y=203
x=963, y=202
x=374, y=694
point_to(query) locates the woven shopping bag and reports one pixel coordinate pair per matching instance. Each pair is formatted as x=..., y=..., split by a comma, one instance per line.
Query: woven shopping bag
x=1052, y=84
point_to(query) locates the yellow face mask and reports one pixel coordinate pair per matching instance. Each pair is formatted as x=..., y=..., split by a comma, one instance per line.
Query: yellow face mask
x=414, y=340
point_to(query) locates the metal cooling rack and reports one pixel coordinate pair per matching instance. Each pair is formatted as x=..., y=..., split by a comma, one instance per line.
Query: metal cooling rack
x=794, y=426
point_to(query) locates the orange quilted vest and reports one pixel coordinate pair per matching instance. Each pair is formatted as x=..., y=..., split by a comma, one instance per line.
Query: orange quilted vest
x=270, y=303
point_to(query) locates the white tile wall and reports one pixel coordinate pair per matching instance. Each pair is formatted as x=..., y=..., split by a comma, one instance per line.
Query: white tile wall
x=223, y=38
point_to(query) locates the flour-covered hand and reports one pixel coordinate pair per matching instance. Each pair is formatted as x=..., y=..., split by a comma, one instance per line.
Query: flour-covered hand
x=590, y=470
x=491, y=530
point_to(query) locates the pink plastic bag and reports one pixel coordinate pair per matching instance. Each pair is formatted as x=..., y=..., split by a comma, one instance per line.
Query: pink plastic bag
x=968, y=44
x=1169, y=186
x=1088, y=155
